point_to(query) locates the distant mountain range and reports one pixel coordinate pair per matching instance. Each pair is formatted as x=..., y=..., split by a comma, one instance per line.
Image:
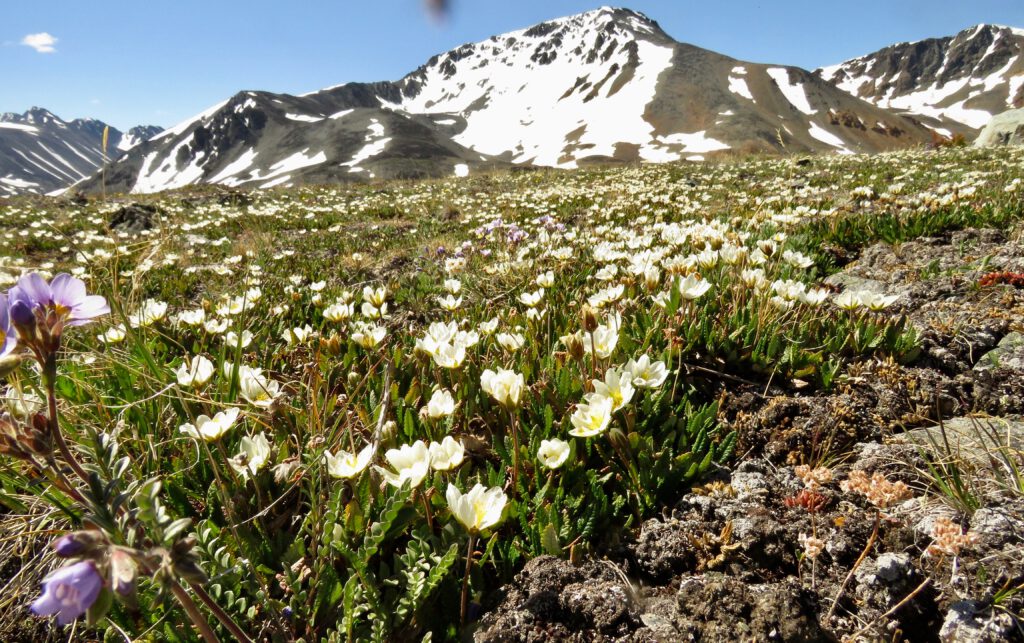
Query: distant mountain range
x=605, y=86
x=954, y=84
x=41, y=153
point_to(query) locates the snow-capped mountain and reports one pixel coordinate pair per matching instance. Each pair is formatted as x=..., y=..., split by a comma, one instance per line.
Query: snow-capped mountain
x=956, y=84
x=602, y=86
x=41, y=153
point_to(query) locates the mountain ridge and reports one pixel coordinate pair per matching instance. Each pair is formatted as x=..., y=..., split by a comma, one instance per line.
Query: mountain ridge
x=607, y=85
x=41, y=153
x=955, y=83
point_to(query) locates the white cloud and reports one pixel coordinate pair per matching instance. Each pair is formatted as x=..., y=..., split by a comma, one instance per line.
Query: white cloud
x=41, y=42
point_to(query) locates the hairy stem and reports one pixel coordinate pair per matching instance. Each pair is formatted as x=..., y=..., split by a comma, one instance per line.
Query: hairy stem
x=193, y=613
x=222, y=616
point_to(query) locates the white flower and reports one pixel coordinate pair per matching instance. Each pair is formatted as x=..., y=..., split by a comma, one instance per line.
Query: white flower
x=505, y=386
x=488, y=327
x=847, y=300
x=545, y=279
x=510, y=341
x=531, y=299
x=297, y=335
x=149, y=313
x=346, y=465
x=693, y=288
x=450, y=303
x=606, y=296
x=195, y=373
x=254, y=453
x=215, y=326
x=447, y=455
x=441, y=404
x=592, y=418
x=617, y=388
x=553, y=453
x=478, y=509
x=450, y=355
x=815, y=296
x=797, y=259
x=338, y=312
x=233, y=340
x=191, y=317
x=210, y=429
x=604, y=339
x=113, y=335
x=257, y=389
x=453, y=286
x=368, y=336
x=21, y=403
x=410, y=462
x=375, y=296
x=646, y=374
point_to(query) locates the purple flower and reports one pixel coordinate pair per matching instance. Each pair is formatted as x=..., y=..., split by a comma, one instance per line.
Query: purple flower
x=69, y=591
x=8, y=339
x=65, y=295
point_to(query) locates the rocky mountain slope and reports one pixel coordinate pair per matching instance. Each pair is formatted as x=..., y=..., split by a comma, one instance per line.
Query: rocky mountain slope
x=40, y=152
x=955, y=84
x=602, y=86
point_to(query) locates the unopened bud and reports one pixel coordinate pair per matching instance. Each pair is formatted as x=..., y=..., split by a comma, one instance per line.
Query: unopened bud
x=23, y=319
x=79, y=543
x=588, y=316
x=9, y=364
x=619, y=440
x=388, y=431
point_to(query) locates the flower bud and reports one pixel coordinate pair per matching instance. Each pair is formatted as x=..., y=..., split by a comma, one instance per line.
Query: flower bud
x=23, y=319
x=9, y=364
x=388, y=431
x=123, y=570
x=618, y=440
x=589, y=319
x=79, y=543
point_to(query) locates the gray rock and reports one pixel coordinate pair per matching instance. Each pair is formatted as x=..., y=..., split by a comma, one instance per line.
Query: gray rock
x=1009, y=353
x=1006, y=128
x=972, y=438
x=968, y=622
x=889, y=568
x=853, y=282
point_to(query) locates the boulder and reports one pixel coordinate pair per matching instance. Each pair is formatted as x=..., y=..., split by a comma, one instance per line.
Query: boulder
x=1004, y=129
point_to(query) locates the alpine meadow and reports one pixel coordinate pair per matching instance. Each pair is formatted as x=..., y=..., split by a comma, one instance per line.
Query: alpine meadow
x=578, y=333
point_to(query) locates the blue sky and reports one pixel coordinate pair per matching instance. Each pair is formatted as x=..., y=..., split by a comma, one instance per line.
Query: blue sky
x=129, y=62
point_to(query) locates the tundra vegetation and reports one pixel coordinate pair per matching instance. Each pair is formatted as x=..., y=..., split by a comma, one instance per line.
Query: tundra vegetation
x=356, y=413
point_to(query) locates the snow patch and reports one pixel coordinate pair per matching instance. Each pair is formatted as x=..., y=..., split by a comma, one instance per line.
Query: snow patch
x=461, y=170
x=303, y=118
x=794, y=92
x=342, y=114
x=374, y=146
x=227, y=175
x=19, y=126
x=739, y=87
x=818, y=132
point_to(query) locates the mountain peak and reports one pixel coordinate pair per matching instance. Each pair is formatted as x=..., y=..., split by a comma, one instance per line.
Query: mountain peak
x=963, y=79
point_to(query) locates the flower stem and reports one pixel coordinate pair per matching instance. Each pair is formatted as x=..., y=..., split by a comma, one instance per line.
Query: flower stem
x=863, y=554
x=222, y=616
x=464, y=604
x=193, y=613
x=515, y=451
x=54, y=424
